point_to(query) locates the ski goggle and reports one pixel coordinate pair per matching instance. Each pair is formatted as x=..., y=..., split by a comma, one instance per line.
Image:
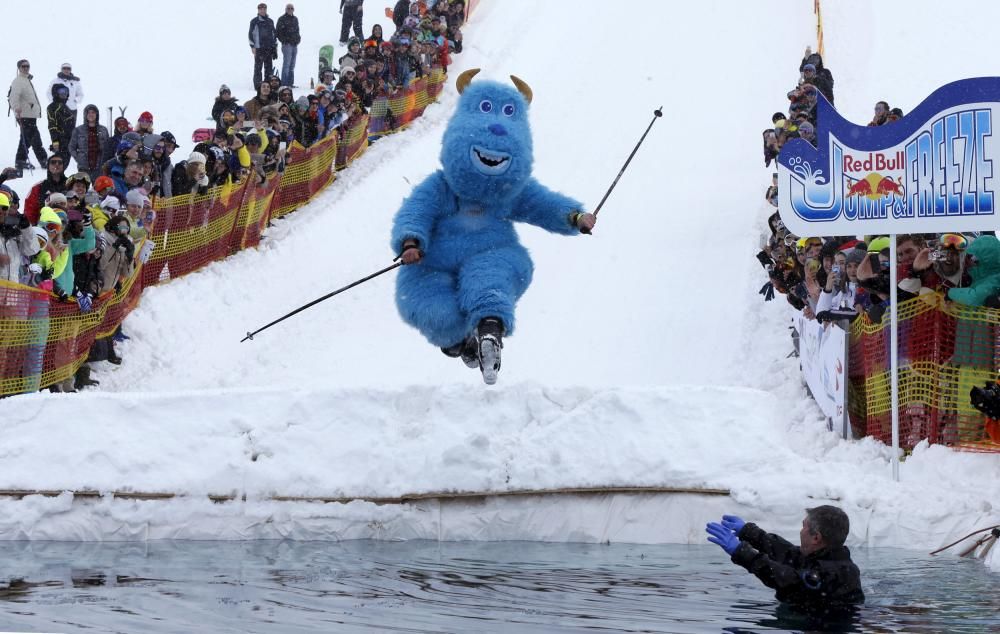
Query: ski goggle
x=52, y=226
x=953, y=241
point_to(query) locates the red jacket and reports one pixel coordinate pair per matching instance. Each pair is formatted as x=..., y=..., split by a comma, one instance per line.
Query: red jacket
x=36, y=198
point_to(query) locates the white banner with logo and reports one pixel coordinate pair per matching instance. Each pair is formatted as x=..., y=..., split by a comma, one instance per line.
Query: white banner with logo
x=823, y=358
x=935, y=170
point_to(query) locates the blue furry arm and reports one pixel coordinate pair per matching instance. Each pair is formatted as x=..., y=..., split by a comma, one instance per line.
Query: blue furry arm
x=415, y=219
x=540, y=206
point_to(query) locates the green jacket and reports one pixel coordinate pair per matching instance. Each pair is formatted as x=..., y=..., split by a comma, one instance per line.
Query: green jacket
x=77, y=246
x=985, y=274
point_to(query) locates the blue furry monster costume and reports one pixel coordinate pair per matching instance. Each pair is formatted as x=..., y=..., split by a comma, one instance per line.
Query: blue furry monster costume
x=461, y=218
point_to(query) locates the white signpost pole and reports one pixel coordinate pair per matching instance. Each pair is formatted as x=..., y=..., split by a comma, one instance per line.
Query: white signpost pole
x=894, y=354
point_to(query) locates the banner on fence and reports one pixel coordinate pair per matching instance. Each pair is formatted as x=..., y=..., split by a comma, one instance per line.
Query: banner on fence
x=932, y=171
x=823, y=358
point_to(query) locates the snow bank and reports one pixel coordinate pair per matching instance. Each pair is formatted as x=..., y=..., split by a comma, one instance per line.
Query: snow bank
x=663, y=295
x=390, y=443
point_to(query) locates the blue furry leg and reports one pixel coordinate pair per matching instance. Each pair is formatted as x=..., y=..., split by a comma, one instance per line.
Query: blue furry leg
x=490, y=283
x=427, y=300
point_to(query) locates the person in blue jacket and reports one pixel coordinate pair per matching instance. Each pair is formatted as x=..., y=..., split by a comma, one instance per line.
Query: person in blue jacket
x=264, y=44
x=465, y=268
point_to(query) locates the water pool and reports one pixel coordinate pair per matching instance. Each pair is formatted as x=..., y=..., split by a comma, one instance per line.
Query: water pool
x=452, y=587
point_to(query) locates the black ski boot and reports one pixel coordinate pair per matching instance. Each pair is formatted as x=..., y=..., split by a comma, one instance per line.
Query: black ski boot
x=83, y=379
x=466, y=350
x=20, y=166
x=489, y=336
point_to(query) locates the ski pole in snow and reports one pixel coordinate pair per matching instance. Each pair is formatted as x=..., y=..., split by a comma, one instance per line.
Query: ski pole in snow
x=250, y=335
x=656, y=115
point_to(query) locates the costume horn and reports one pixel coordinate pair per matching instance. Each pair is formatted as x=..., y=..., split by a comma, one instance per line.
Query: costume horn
x=463, y=80
x=522, y=87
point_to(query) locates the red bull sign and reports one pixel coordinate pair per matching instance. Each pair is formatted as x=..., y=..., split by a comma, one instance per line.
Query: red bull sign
x=931, y=171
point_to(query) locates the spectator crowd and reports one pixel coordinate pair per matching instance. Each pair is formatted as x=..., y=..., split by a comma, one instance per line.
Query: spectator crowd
x=80, y=236
x=836, y=279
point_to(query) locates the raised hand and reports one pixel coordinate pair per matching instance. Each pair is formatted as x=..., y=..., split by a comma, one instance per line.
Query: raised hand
x=723, y=537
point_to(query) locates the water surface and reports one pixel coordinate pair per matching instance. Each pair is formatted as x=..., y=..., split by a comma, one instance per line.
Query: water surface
x=453, y=587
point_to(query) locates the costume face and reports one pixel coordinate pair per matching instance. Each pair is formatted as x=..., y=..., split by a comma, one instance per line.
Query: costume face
x=487, y=148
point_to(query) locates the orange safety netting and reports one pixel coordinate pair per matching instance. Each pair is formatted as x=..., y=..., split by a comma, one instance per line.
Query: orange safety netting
x=945, y=349
x=43, y=341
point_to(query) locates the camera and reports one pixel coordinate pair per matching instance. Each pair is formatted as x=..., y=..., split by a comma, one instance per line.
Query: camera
x=937, y=255
x=836, y=269
x=986, y=399
x=11, y=227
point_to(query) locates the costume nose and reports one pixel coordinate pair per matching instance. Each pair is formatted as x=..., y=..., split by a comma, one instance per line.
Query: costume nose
x=498, y=129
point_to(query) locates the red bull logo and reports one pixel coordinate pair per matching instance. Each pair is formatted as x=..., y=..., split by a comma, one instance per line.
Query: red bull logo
x=889, y=186
x=874, y=162
x=875, y=186
x=860, y=188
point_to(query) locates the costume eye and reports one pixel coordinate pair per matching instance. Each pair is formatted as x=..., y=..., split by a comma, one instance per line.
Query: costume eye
x=486, y=105
x=509, y=110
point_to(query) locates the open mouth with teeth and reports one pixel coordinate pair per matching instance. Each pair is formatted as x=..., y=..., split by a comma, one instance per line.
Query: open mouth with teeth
x=489, y=162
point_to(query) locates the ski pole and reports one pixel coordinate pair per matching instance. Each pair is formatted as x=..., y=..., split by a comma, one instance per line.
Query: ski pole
x=656, y=115
x=250, y=335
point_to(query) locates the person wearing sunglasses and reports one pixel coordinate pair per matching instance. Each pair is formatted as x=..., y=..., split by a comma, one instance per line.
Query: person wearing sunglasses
x=23, y=100
x=55, y=181
x=881, y=114
x=820, y=76
x=943, y=266
x=162, y=167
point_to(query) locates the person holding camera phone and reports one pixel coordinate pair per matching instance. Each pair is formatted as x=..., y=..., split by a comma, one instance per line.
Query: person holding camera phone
x=838, y=301
x=17, y=243
x=942, y=266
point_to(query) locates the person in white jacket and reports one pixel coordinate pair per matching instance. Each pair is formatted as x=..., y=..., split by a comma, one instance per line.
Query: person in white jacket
x=17, y=243
x=842, y=283
x=27, y=109
x=72, y=82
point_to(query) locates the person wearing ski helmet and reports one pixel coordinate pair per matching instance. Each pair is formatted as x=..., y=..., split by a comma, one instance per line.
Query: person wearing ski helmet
x=61, y=122
x=17, y=242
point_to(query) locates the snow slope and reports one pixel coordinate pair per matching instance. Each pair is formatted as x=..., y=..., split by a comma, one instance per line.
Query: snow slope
x=346, y=400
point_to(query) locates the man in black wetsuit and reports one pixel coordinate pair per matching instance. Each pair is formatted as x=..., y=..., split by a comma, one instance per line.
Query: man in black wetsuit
x=817, y=577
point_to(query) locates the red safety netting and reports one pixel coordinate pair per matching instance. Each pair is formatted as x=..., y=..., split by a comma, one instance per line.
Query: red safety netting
x=43, y=341
x=945, y=349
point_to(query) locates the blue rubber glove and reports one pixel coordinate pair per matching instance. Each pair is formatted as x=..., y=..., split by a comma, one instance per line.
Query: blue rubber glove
x=733, y=523
x=722, y=536
x=85, y=302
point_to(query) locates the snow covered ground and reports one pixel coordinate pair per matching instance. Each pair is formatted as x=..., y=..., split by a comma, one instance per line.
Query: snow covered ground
x=643, y=356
